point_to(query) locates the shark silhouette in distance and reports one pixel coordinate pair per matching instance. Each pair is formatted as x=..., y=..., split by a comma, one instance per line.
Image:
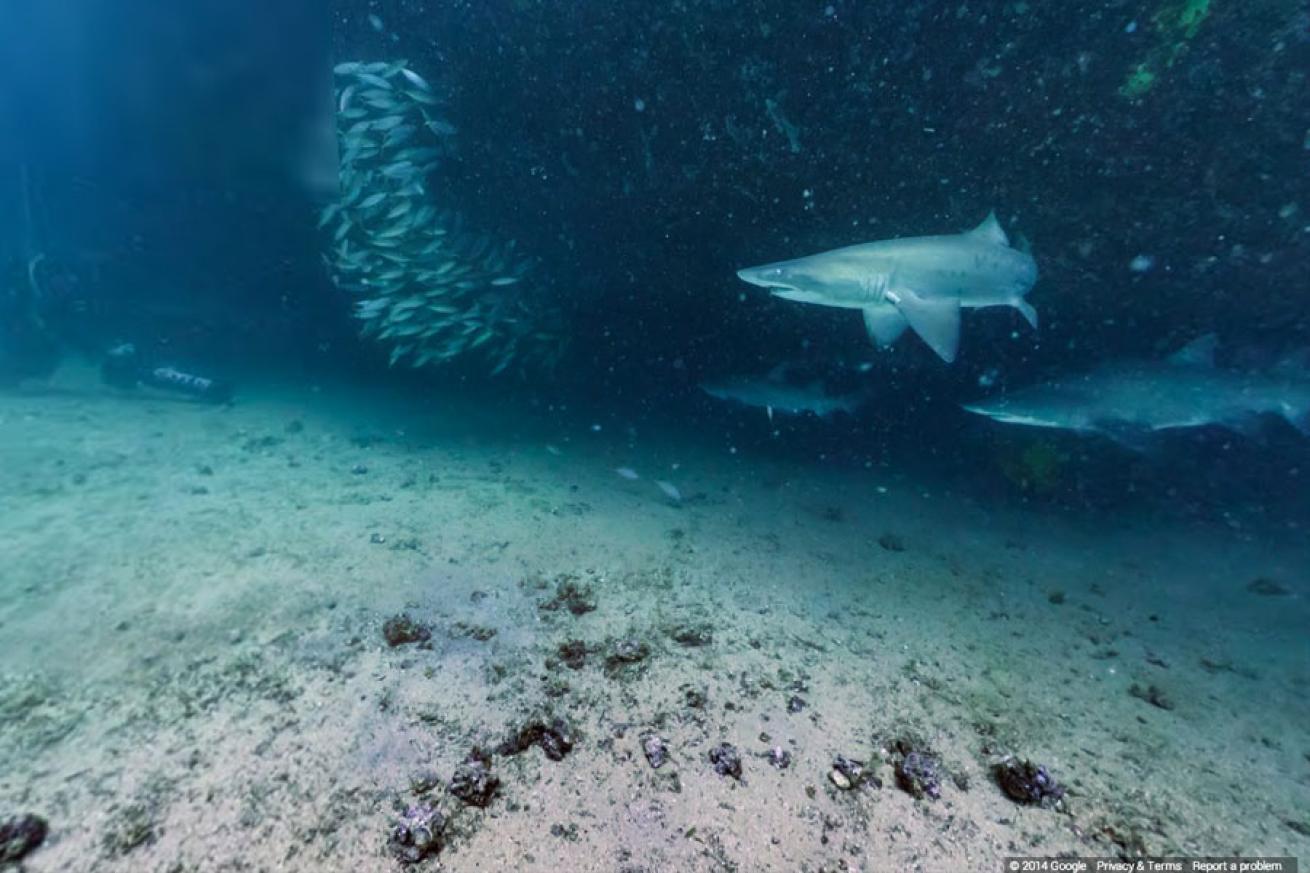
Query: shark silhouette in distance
x=1130, y=400
x=774, y=393
x=916, y=282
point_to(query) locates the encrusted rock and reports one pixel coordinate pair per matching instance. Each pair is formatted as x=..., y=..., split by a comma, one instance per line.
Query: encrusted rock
x=573, y=653
x=626, y=653
x=401, y=629
x=555, y=738
x=417, y=835
x=473, y=782
x=20, y=836
x=919, y=773
x=656, y=750
x=692, y=635
x=848, y=773
x=577, y=599
x=1026, y=782
x=726, y=760
x=779, y=757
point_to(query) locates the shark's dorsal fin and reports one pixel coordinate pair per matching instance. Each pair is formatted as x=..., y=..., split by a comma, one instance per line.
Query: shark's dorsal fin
x=990, y=231
x=1198, y=353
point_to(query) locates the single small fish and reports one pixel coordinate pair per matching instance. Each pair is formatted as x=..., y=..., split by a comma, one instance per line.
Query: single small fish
x=415, y=79
x=345, y=97
x=627, y=472
x=553, y=450
x=375, y=81
x=440, y=127
x=670, y=490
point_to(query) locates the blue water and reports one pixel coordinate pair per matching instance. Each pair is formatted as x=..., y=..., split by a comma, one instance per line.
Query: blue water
x=534, y=214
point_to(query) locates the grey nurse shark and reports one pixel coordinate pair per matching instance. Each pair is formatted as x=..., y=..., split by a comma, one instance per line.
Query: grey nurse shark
x=773, y=393
x=918, y=282
x=1129, y=400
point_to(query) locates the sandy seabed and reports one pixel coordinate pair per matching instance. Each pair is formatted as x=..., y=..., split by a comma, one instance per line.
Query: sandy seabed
x=195, y=675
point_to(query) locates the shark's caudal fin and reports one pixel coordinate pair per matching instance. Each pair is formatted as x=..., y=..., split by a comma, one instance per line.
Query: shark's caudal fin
x=885, y=324
x=1198, y=353
x=936, y=321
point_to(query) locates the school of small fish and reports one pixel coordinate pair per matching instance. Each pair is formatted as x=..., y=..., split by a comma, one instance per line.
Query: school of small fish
x=431, y=290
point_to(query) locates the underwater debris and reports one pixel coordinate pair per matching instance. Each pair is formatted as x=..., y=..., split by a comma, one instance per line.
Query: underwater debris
x=656, y=750
x=573, y=653
x=1029, y=783
x=473, y=782
x=891, y=542
x=401, y=629
x=417, y=835
x=691, y=635
x=577, y=599
x=919, y=774
x=131, y=827
x=848, y=774
x=694, y=698
x=21, y=836
x=1152, y=694
x=423, y=285
x=1267, y=587
x=555, y=738
x=726, y=760
x=626, y=652
x=569, y=833
x=478, y=632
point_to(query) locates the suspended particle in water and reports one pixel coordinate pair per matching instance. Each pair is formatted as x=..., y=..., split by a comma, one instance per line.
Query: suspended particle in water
x=376, y=22
x=639, y=105
x=1142, y=264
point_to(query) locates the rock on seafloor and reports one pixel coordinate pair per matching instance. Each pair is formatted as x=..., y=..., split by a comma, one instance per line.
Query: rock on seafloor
x=726, y=760
x=417, y=835
x=20, y=836
x=473, y=782
x=656, y=750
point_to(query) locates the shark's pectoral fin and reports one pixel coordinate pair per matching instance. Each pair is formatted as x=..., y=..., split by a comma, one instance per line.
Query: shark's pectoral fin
x=936, y=321
x=1026, y=310
x=885, y=324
